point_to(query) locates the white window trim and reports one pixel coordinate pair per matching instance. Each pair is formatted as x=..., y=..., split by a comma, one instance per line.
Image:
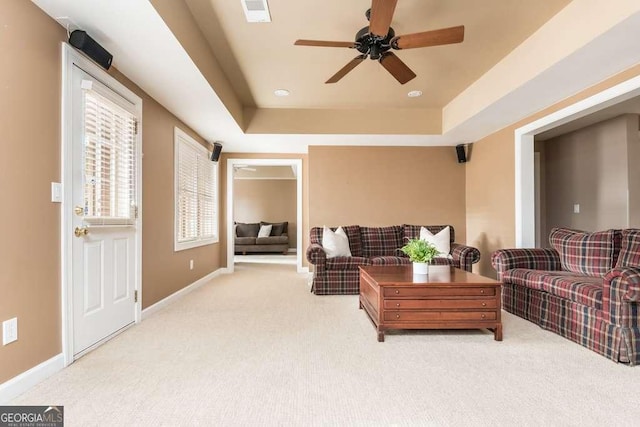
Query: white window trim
x=180, y=246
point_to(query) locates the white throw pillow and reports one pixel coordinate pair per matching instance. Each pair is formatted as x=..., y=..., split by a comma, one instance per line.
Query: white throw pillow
x=265, y=230
x=335, y=243
x=441, y=240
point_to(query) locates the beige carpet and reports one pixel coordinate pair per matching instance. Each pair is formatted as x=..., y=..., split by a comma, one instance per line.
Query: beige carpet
x=256, y=348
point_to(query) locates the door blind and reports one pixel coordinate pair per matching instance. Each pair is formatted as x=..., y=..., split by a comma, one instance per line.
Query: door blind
x=196, y=193
x=109, y=161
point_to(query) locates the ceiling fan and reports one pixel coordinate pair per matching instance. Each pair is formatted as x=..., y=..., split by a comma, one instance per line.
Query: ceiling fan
x=378, y=38
x=243, y=168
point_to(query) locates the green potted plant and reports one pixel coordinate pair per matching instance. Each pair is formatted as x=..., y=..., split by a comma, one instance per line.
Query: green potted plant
x=421, y=253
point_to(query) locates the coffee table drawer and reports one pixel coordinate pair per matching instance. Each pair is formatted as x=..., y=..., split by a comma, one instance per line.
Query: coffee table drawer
x=407, y=292
x=392, y=316
x=413, y=304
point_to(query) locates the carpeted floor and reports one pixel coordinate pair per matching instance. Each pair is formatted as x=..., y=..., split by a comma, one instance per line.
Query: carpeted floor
x=256, y=348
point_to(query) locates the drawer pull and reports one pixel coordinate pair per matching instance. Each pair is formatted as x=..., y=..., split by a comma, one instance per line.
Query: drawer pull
x=484, y=304
x=397, y=316
x=397, y=291
x=482, y=291
x=398, y=305
x=484, y=316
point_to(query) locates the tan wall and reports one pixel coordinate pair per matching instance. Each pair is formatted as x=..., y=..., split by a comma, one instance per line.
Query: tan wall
x=224, y=197
x=633, y=159
x=579, y=171
x=490, y=181
x=30, y=122
x=379, y=186
x=30, y=256
x=270, y=200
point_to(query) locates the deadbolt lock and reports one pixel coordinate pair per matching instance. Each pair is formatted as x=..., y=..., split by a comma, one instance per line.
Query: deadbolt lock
x=79, y=210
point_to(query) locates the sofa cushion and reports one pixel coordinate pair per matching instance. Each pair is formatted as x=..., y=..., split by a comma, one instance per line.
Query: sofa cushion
x=413, y=231
x=381, y=241
x=591, y=254
x=265, y=231
x=389, y=260
x=352, y=231
x=565, y=284
x=335, y=243
x=245, y=241
x=278, y=228
x=629, y=249
x=440, y=239
x=272, y=240
x=247, y=230
x=345, y=262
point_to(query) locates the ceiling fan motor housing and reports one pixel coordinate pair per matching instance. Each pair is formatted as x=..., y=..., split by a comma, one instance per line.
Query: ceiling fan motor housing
x=368, y=44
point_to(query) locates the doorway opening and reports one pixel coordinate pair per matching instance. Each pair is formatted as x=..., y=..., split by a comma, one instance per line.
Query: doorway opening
x=264, y=195
x=525, y=177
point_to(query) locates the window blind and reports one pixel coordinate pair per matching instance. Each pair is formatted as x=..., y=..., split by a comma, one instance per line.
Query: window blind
x=109, y=161
x=196, y=193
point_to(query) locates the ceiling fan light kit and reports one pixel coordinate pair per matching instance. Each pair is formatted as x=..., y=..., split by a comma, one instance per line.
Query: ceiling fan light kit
x=378, y=38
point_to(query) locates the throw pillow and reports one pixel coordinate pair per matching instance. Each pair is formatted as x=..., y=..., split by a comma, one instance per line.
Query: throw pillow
x=335, y=243
x=630, y=249
x=591, y=254
x=440, y=240
x=265, y=231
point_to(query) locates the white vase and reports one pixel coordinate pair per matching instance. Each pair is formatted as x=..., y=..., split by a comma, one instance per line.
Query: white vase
x=420, y=268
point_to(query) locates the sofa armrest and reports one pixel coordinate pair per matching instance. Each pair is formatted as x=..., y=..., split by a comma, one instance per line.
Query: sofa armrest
x=533, y=258
x=316, y=256
x=464, y=256
x=621, y=295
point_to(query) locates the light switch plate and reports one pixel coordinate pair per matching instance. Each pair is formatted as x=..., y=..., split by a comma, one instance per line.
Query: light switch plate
x=576, y=208
x=56, y=192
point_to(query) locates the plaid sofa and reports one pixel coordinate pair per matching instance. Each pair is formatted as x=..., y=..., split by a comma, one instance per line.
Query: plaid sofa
x=585, y=288
x=373, y=246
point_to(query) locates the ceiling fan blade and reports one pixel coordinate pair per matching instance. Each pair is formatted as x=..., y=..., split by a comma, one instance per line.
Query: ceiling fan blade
x=344, y=70
x=429, y=38
x=396, y=67
x=323, y=43
x=381, y=15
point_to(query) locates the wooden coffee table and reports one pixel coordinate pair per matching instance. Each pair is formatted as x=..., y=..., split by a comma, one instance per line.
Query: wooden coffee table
x=448, y=298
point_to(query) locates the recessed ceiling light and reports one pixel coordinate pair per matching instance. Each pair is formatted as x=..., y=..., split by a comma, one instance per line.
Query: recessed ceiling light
x=281, y=92
x=414, y=93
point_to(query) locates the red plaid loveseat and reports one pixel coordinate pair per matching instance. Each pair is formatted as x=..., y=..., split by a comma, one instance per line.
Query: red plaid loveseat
x=373, y=246
x=586, y=288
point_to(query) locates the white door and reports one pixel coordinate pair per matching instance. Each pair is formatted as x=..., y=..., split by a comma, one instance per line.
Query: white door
x=105, y=224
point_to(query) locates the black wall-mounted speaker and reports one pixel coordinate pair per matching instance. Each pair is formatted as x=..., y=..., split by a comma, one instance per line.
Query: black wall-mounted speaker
x=215, y=154
x=462, y=155
x=81, y=40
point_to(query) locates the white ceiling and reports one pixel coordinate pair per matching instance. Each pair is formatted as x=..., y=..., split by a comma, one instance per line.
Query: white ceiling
x=147, y=52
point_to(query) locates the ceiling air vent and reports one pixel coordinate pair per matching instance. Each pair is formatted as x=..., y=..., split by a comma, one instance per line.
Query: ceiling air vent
x=256, y=10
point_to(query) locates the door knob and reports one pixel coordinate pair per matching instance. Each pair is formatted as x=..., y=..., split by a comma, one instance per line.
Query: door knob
x=81, y=231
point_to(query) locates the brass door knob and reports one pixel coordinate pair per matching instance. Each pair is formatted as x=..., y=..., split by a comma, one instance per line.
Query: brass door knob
x=81, y=231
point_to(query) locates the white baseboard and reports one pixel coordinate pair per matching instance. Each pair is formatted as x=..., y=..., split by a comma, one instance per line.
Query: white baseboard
x=23, y=382
x=303, y=270
x=182, y=292
x=292, y=250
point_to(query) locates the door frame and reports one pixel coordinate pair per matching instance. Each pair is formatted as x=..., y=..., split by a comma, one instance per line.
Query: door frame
x=71, y=58
x=525, y=232
x=264, y=162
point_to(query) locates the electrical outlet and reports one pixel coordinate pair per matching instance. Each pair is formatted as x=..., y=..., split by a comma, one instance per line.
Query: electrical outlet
x=9, y=331
x=190, y=264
